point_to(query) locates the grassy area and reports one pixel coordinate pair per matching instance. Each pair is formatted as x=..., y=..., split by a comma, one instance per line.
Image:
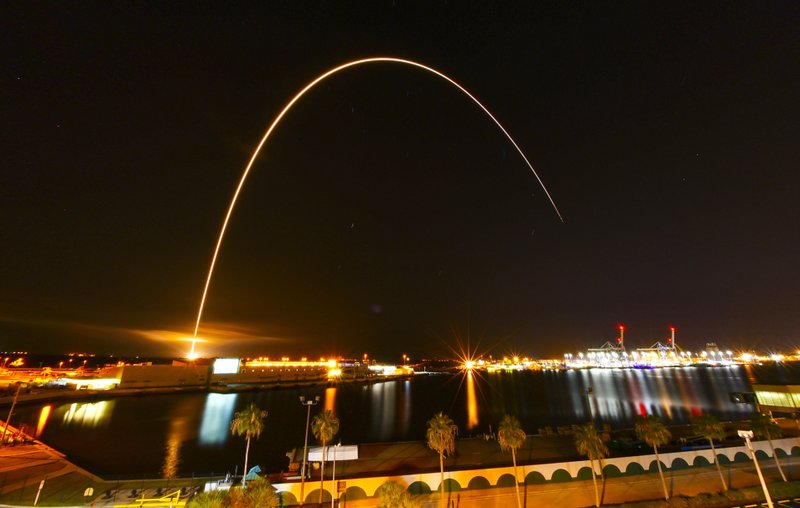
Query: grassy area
x=733, y=497
x=68, y=490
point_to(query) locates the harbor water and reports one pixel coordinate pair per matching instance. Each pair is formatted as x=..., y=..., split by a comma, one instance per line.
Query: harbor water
x=185, y=434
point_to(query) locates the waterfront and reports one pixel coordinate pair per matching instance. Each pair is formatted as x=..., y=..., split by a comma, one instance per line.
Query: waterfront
x=189, y=433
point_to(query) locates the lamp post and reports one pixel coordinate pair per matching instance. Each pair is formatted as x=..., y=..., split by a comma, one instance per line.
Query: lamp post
x=11, y=411
x=747, y=435
x=308, y=403
x=334, y=493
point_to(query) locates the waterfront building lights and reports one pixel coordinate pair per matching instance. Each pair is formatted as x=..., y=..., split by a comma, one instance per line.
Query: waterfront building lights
x=747, y=435
x=308, y=403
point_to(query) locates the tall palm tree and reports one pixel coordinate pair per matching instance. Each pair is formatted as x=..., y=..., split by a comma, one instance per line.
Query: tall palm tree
x=511, y=437
x=764, y=426
x=324, y=426
x=589, y=442
x=650, y=430
x=710, y=428
x=248, y=423
x=441, y=437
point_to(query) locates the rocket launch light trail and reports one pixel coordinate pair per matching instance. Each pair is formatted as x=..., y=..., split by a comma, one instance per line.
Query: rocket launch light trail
x=291, y=103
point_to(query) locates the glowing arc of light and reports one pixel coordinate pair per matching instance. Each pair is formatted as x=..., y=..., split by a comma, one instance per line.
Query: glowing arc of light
x=297, y=97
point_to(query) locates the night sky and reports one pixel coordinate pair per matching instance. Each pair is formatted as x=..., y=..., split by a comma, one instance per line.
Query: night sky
x=387, y=213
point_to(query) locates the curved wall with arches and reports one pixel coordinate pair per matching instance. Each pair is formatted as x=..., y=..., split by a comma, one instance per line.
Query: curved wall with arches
x=426, y=483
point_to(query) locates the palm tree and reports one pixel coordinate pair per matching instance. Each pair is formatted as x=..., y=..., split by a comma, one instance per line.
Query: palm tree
x=324, y=426
x=589, y=442
x=248, y=423
x=764, y=426
x=511, y=436
x=650, y=430
x=441, y=437
x=710, y=428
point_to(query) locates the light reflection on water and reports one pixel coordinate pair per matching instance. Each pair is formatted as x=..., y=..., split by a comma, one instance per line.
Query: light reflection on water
x=87, y=414
x=44, y=415
x=330, y=399
x=672, y=394
x=179, y=434
x=216, y=421
x=383, y=409
x=472, y=402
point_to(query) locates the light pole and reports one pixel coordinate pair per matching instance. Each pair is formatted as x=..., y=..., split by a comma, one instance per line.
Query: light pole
x=747, y=435
x=308, y=403
x=11, y=411
x=334, y=492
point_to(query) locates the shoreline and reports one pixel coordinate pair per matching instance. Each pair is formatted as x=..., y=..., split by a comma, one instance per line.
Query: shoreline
x=60, y=394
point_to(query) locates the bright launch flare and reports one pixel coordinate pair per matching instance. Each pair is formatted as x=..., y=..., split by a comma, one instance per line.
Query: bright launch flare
x=286, y=110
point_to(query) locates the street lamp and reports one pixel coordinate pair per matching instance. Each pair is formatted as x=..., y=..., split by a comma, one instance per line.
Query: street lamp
x=747, y=435
x=308, y=403
x=334, y=492
x=11, y=411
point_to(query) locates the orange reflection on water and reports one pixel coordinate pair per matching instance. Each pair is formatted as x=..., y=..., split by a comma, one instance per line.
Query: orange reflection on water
x=472, y=402
x=43, y=417
x=330, y=399
x=182, y=428
x=178, y=433
x=172, y=457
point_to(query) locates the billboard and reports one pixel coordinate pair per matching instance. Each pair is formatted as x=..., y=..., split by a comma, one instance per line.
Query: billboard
x=226, y=366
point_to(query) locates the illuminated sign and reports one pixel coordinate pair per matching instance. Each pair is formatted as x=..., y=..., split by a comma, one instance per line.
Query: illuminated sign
x=226, y=366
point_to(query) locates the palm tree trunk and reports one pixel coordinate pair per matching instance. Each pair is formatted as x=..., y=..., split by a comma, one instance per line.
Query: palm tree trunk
x=441, y=471
x=716, y=463
x=602, y=479
x=322, y=474
x=516, y=480
x=594, y=481
x=775, y=456
x=246, y=453
x=661, y=474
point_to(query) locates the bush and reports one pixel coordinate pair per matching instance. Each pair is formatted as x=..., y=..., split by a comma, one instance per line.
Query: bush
x=213, y=499
x=258, y=494
x=393, y=495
